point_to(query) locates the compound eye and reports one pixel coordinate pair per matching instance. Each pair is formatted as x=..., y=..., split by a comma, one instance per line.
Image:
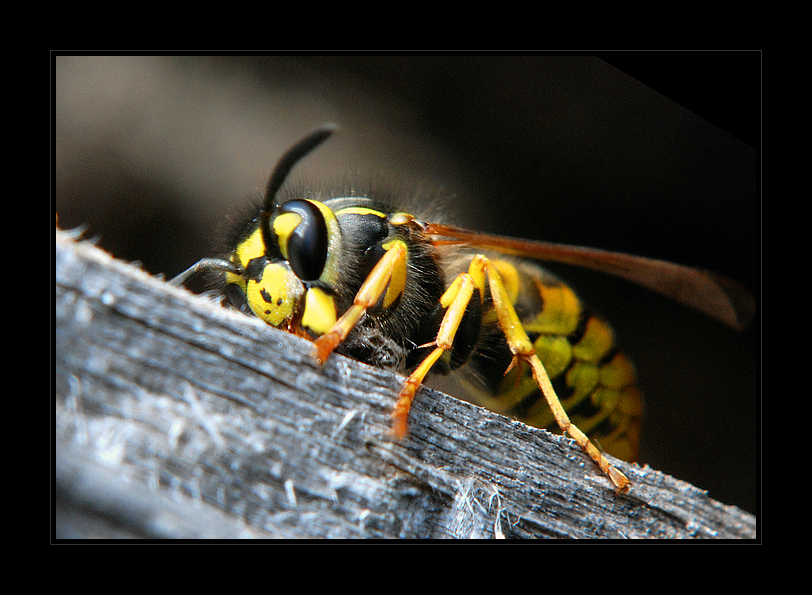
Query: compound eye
x=307, y=244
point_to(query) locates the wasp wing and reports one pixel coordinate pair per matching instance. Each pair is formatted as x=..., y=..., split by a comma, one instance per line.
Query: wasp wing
x=713, y=294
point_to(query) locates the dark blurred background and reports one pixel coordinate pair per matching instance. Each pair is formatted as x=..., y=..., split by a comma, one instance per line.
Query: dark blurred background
x=656, y=154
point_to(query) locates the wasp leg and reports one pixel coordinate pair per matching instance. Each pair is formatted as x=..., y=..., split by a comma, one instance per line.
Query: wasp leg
x=455, y=300
x=386, y=279
x=522, y=350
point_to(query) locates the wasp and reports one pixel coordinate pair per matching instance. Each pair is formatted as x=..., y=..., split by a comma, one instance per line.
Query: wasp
x=357, y=276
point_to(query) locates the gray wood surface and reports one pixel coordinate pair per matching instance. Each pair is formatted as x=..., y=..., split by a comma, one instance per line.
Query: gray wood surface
x=177, y=418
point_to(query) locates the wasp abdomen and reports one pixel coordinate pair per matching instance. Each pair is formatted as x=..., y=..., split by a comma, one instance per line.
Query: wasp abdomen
x=595, y=382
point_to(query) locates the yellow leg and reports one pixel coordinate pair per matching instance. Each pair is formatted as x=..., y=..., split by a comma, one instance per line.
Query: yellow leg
x=368, y=295
x=455, y=300
x=522, y=350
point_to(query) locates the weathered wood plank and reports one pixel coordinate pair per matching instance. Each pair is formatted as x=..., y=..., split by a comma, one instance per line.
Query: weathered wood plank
x=178, y=418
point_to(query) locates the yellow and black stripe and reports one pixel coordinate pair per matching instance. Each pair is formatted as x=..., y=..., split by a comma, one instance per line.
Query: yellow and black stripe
x=594, y=381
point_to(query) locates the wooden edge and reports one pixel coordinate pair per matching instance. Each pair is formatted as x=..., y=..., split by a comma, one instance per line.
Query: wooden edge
x=177, y=418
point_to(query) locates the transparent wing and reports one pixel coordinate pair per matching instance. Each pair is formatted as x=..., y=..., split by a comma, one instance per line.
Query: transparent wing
x=715, y=295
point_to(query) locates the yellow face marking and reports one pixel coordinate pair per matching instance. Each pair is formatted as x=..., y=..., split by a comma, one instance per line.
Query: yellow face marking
x=274, y=298
x=320, y=311
x=283, y=227
x=251, y=248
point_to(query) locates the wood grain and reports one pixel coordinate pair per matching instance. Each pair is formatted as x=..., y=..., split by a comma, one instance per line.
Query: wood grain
x=177, y=418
